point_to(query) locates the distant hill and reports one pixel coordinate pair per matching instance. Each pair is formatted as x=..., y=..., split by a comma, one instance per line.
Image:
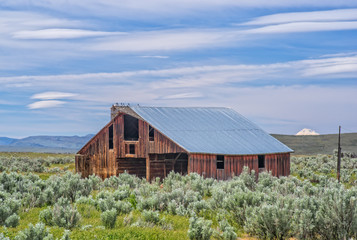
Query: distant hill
x=309, y=144
x=6, y=140
x=56, y=144
x=319, y=144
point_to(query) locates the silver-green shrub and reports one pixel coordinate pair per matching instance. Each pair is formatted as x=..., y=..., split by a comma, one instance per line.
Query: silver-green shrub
x=151, y=216
x=270, y=221
x=199, y=229
x=63, y=214
x=8, y=211
x=227, y=230
x=109, y=218
x=38, y=232
x=12, y=221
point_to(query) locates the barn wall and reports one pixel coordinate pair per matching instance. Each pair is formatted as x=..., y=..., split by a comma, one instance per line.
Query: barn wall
x=135, y=166
x=203, y=164
x=162, y=144
x=97, y=156
x=206, y=165
x=160, y=165
x=278, y=164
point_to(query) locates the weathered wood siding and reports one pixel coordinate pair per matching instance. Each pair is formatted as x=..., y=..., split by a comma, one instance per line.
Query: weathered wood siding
x=278, y=164
x=101, y=158
x=160, y=165
x=206, y=165
x=135, y=166
x=203, y=164
x=162, y=144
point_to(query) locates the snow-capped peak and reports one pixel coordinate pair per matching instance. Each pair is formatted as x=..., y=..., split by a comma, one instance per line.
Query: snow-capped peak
x=307, y=131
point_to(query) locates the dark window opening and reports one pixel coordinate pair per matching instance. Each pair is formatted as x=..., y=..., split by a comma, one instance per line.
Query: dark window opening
x=111, y=137
x=131, y=126
x=131, y=148
x=151, y=133
x=220, y=162
x=261, y=161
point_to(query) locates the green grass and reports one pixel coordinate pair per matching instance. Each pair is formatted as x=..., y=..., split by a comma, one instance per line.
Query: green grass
x=34, y=154
x=92, y=228
x=43, y=175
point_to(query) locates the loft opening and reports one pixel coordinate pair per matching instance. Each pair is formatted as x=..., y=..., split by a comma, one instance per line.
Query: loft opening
x=131, y=148
x=111, y=137
x=220, y=161
x=151, y=133
x=131, y=128
x=261, y=161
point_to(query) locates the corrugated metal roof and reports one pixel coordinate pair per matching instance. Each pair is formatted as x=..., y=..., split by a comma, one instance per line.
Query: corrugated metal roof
x=211, y=130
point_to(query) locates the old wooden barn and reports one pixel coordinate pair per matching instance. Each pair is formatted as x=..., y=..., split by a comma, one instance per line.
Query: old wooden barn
x=152, y=141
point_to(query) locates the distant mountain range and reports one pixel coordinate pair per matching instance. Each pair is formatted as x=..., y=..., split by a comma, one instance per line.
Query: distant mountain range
x=57, y=144
x=308, y=144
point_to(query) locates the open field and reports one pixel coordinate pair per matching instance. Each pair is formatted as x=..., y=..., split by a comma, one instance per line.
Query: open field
x=179, y=207
x=319, y=144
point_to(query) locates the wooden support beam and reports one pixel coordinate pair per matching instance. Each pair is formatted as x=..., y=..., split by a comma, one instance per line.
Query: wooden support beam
x=148, y=168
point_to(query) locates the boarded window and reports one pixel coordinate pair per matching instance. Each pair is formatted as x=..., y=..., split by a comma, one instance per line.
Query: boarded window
x=131, y=148
x=261, y=161
x=151, y=133
x=111, y=137
x=220, y=161
x=131, y=128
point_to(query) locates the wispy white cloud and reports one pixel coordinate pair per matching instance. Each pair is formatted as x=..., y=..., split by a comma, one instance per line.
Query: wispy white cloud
x=61, y=34
x=313, y=16
x=305, y=27
x=52, y=37
x=11, y=21
x=45, y=104
x=183, y=95
x=196, y=76
x=138, y=9
x=331, y=66
x=314, y=21
x=164, y=40
x=155, y=56
x=53, y=95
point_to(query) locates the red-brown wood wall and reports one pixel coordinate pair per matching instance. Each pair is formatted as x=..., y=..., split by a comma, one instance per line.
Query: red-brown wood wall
x=206, y=165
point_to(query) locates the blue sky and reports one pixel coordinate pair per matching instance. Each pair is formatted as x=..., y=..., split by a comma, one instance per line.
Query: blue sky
x=286, y=65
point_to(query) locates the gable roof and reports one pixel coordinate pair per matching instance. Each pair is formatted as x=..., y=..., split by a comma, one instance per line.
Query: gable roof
x=210, y=130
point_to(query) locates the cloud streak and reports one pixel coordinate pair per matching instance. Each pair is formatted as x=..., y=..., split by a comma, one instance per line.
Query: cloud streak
x=138, y=9
x=196, y=76
x=314, y=16
x=53, y=95
x=61, y=34
x=296, y=27
x=45, y=104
